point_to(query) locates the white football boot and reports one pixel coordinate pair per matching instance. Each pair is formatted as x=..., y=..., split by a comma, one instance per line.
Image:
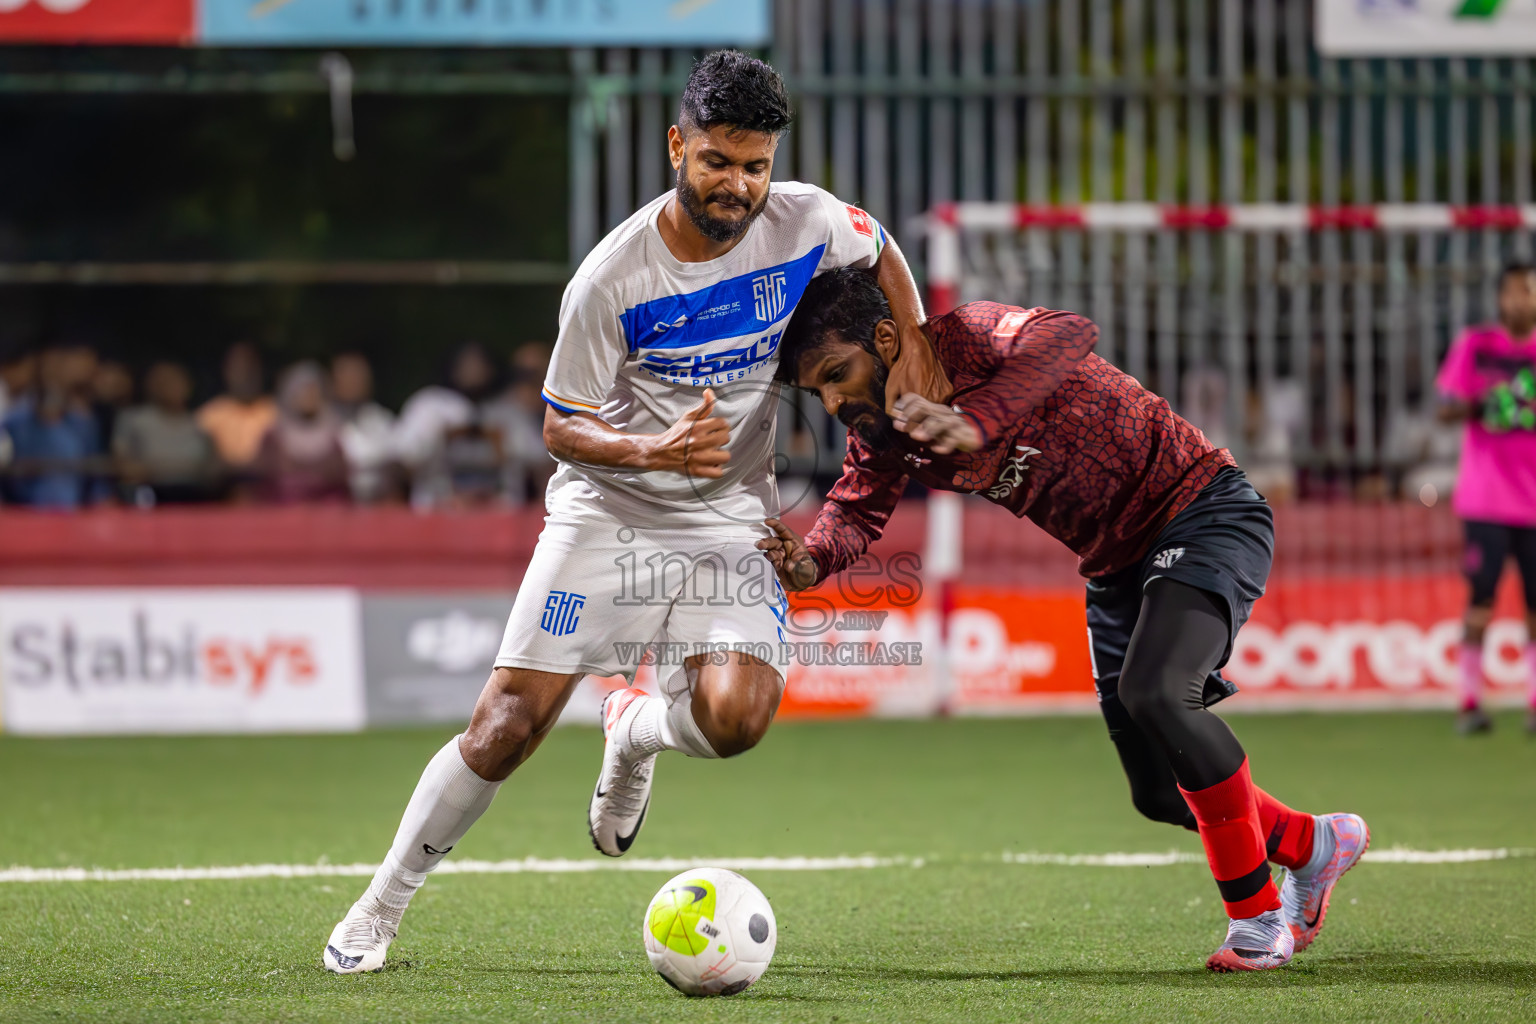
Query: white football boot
x=1254, y=944
x=359, y=942
x=1304, y=894
x=623, y=792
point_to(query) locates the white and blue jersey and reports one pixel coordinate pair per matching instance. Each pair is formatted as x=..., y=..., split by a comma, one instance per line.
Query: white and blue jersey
x=642, y=334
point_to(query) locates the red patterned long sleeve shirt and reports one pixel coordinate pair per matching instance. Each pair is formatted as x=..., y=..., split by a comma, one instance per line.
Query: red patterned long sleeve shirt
x=1081, y=449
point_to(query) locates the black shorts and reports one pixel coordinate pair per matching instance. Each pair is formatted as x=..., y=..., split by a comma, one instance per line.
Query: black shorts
x=1223, y=543
x=1488, y=546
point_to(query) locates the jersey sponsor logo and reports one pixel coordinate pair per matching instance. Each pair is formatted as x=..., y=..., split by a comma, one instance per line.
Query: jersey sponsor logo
x=729, y=310
x=562, y=612
x=768, y=294
x=1166, y=558
x=1013, y=473
x=863, y=223
x=707, y=369
x=662, y=327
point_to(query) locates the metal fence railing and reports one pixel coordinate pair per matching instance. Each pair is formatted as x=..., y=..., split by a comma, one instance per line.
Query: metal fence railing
x=905, y=106
x=1294, y=346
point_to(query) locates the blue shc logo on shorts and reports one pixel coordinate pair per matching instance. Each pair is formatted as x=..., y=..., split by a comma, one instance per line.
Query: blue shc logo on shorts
x=562, y=610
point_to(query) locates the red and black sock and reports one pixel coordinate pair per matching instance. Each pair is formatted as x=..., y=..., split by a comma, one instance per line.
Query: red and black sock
x=1287, y=832
x=1231, y=831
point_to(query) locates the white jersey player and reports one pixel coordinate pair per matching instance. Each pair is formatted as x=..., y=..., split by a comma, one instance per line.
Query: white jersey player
x=661, y=411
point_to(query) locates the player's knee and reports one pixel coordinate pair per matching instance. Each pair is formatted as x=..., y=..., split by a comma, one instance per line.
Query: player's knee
x=505, y=729
x=736, y=726
x=493, y=746
x=1154, y=698
x=739, y=735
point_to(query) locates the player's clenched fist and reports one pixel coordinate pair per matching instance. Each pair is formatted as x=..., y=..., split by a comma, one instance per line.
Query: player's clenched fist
x=940, y=427
x=791, y=561
x=695, y=444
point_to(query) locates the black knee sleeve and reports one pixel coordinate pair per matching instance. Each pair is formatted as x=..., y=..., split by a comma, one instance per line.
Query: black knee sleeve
x=1154, y=792
x=1181, y=635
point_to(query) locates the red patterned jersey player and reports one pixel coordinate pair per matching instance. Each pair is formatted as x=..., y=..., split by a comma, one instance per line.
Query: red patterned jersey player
x=1013, y=404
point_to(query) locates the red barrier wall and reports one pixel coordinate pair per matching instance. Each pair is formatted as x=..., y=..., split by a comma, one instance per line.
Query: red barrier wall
x=1362, y=606
x=398, y=548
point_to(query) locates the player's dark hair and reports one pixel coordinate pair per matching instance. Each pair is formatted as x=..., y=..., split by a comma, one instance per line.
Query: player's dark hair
x=731, y=88
x=846, y=304
x=1516, y=267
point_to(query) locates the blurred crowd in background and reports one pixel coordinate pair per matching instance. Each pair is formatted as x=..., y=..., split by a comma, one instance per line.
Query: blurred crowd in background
x=79, y=430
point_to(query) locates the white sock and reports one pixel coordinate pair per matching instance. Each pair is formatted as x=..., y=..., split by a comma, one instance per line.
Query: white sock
x=1323, y=845
x=657, y=727
x=449, y=799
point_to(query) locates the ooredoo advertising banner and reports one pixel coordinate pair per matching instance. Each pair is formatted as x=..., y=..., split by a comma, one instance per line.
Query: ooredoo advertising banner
x=93, y=660
x=1325, y=643
x=1371, y=641
x=96, y=21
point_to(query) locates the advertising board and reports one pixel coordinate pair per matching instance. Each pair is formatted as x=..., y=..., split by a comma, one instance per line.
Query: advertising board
x=164, y=22
x=483, y=22
x=178, y=660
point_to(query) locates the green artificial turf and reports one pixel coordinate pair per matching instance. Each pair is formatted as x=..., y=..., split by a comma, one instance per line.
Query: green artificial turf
x=963, y=936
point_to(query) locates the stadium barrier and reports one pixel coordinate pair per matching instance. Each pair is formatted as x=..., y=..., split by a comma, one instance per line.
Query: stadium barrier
x=239, y=620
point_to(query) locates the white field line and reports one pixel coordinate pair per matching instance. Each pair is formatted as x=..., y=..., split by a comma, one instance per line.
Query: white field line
x=530, y=866
x=1393, y=855
x=1105, y=860
x=538, y=866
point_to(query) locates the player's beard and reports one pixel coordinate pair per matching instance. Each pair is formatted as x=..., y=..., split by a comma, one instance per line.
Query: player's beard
x=868, y=419
x=715, y=229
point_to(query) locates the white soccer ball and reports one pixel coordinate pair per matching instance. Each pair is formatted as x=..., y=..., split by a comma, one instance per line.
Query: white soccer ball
x=710, y=932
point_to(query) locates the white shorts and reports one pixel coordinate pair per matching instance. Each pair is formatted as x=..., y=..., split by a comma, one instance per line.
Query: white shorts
x=600, y=596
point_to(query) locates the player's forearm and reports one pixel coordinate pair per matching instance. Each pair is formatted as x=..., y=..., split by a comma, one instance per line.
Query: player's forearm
x=839, y=537
x=900, y=288
x=584, y=438
x=845, y=528
x=1052, y=346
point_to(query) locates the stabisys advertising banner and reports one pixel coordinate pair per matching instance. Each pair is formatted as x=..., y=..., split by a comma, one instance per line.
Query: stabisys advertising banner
x=206, y=660
x=164, y=22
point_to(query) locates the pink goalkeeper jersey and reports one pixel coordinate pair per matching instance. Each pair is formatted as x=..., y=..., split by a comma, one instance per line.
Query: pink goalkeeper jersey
x=1497, y=481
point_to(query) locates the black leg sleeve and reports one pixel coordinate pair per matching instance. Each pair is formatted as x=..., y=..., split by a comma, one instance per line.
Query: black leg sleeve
x=1180, y=636
x=1153, y=789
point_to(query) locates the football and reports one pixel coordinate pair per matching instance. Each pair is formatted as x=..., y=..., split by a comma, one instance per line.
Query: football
x=710, y=932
